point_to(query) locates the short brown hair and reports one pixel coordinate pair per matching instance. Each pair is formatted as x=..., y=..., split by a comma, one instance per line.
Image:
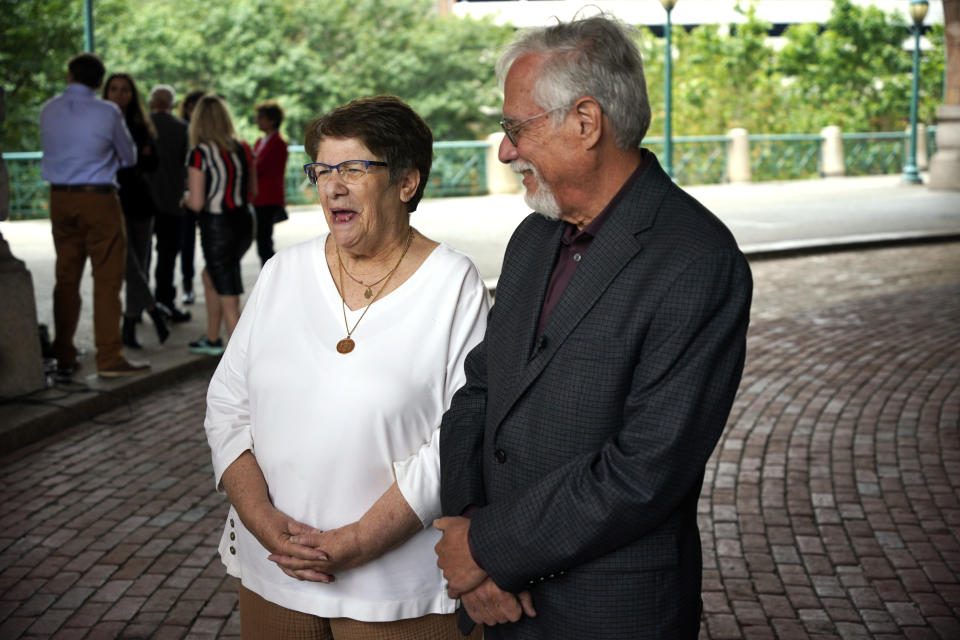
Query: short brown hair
x=388, y=127
x=88, y=69
x=272, y=111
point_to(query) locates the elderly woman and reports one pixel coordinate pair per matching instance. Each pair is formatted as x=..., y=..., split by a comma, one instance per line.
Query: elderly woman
x=323, y=414
x=221, y=184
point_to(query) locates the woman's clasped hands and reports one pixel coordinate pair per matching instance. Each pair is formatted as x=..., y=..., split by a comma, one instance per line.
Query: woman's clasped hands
x=315, y=555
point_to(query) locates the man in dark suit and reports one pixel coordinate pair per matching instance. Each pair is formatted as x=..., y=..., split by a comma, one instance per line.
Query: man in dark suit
x=167, y=184
x=573, y=457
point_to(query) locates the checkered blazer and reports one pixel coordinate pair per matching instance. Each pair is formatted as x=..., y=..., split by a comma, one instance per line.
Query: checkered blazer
x=586, y=449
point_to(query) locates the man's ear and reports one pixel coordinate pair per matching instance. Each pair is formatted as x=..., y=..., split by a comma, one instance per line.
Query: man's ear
x=589, y=116
x=409, y=184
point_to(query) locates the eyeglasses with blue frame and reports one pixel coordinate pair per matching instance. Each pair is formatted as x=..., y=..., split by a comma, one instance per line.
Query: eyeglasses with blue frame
x=351, y=171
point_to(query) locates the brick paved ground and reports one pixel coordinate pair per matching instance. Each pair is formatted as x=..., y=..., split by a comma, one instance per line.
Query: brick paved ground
x=831, y=507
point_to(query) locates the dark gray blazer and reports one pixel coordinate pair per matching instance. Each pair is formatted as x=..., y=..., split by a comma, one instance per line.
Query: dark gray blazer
x=168, y=181
x=586, y=449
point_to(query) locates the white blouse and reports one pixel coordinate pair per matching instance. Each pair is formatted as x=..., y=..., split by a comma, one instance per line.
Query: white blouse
x=332, y=432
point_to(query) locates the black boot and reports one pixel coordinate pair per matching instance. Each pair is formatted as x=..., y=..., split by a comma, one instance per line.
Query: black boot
x=160, y=323
x=129, y=333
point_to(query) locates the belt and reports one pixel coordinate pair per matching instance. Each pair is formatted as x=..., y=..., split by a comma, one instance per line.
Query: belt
x=94, y=188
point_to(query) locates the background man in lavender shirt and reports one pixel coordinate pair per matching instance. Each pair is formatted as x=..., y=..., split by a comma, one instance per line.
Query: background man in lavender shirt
x=85, y=141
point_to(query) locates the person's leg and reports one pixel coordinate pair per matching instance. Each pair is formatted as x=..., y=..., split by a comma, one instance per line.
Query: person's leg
x=68, y=242
x=214, y=307
x=187, y=251
x=169, y=230
x=264, y=620
x=433, y=626
x=265, y=233
x=107, y=246
x=230, y=306
x=138, y=246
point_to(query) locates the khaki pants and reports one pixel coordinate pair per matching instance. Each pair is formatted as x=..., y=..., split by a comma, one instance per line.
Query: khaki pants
x=88, y=224
x=263, y=620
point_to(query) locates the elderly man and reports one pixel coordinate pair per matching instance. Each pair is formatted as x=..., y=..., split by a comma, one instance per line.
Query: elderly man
x=85, y=141
x=167, y=185
x=573, y=457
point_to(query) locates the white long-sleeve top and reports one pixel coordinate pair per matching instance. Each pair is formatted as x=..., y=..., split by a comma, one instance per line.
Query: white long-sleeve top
x=332, y=431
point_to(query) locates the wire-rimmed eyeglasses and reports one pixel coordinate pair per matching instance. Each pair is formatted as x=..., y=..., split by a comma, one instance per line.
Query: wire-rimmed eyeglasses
x=351, y=171
x=513, y=128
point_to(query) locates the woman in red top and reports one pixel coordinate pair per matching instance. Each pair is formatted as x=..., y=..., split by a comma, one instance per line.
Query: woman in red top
x=270, y=158
x=221, y=183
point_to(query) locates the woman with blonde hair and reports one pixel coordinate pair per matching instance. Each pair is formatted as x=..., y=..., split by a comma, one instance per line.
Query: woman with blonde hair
x=221, y=184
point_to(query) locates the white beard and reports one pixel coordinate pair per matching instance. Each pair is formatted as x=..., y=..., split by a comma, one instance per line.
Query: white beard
x=543, y=201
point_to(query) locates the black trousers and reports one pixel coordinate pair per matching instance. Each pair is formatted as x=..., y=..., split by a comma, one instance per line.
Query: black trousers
x=188, y=248
x=265, y=217
x=169, y=229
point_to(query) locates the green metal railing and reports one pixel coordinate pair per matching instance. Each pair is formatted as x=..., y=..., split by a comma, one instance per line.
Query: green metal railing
x=29, y=194
x=784, y=156
x=696, y=159
x=459, y=167
x=876, y=153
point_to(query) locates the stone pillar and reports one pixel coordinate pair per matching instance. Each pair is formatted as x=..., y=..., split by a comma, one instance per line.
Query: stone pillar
x=831, y=153
x=500, y=179
x=922, y=160
x=738, y=156
x=945, y=163
x=21, y=362
x=921, y=146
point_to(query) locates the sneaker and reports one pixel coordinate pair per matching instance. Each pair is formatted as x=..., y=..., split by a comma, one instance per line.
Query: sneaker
x=125, y=368
x=207, y=347
x=189, y=297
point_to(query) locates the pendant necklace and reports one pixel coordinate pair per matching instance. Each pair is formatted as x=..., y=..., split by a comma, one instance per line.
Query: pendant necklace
x=347, y=344
x=368, y=293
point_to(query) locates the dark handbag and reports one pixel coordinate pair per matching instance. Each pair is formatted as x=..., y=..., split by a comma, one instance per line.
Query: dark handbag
x=280, y=214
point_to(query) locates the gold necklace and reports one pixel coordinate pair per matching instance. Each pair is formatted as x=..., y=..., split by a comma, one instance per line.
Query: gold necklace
x=369, y=291
x=347, y=344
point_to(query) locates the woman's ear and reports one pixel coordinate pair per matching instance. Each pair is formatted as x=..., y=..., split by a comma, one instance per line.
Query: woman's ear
x=408, y=184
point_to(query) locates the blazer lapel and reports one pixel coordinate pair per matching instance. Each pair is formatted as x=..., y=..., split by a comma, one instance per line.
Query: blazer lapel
x=616, y=244
x=530, y=295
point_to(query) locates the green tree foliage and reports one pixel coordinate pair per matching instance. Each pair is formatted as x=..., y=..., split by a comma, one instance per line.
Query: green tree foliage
x=34, y=40
x=310, y=56
x=313, y=56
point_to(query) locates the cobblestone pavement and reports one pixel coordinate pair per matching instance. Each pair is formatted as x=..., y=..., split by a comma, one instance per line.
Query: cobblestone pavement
x=831, y=508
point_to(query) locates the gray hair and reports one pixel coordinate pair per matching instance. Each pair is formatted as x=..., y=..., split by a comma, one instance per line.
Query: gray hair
x=162, y=96
x=594, y=57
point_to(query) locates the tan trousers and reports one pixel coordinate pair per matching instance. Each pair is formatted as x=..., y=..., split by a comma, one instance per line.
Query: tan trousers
x=88, y=224
x=263, y=620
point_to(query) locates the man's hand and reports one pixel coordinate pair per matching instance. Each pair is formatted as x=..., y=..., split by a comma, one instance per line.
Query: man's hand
x=454, y=558
x=489, y=604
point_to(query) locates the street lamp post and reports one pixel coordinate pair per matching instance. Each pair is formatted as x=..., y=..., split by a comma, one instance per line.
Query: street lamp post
x=918, y=11
x=88, y=25
x=668, y=93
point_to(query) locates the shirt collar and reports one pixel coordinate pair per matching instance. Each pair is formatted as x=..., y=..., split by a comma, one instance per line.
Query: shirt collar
x=80, y=89
x=572, y=234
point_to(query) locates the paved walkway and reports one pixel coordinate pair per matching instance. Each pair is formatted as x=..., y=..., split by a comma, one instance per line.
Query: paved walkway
x=831, y=504
x=831, y=507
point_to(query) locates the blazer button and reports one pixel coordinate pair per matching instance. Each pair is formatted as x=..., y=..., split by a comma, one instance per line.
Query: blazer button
x=231, y=522
x=500, y=455
x=233, y=551
x=233, y=536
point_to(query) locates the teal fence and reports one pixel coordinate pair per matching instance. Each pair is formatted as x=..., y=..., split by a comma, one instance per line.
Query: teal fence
x=459, y=167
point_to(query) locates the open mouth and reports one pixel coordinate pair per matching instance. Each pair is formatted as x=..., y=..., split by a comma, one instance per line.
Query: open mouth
x=343, y=215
